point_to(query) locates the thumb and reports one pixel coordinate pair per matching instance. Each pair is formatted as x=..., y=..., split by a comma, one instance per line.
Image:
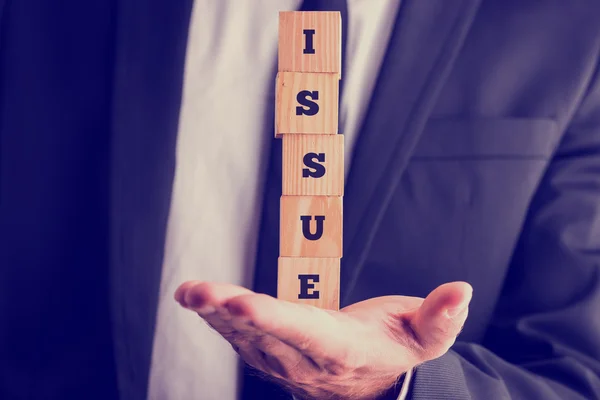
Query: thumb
x=441, y=317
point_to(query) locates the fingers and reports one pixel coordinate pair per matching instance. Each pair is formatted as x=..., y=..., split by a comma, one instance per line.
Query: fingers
x=441, y=317
x=207, y=300
x=257, y=348
x=383, y=305
x=205, y=297
x=310, y=330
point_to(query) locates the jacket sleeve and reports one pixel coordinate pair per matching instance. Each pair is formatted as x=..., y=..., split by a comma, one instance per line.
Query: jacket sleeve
x=544, y=339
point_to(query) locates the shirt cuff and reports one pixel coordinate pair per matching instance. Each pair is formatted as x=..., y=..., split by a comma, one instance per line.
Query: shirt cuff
x=406, y=385
x=403, y=390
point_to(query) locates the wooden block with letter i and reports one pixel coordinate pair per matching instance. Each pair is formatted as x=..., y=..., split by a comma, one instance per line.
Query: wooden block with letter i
x=306, y=103
x=311, y=226
x=311, y=281
x=313, y=165
x=310, y=41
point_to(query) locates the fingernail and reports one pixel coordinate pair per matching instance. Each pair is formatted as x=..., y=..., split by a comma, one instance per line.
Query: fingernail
x=205, y=310
x=180, y=297
x=182, y=303
x=455, y=311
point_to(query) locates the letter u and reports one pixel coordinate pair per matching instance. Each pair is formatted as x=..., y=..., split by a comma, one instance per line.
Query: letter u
x=306, y=227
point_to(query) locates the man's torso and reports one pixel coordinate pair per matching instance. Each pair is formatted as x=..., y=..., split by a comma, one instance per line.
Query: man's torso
x=455, y=212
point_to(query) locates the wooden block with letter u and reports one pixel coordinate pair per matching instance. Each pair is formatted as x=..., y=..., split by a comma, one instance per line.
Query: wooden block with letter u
x=311, y=226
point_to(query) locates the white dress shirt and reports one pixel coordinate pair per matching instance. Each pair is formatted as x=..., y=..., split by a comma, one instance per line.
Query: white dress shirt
x=217, y=191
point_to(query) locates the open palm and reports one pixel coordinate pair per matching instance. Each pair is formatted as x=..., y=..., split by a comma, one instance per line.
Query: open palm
x=355, y=353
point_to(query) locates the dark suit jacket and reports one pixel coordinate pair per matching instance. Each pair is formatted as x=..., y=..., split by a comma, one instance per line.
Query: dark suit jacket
x=478, y=160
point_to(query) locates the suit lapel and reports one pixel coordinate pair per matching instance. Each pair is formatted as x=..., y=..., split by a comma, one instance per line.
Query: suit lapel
x=423, y=46
x=151, y=42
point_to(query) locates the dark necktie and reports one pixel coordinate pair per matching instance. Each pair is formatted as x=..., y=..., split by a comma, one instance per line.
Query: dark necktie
x=265, y=274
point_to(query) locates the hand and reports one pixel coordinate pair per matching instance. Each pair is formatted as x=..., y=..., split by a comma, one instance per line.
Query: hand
x=355, y=353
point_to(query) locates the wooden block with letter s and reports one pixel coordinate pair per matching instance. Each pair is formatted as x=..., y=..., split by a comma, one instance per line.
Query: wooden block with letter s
x=306, y=103
x=310, y=281
x=313, y=165
x=310, y=41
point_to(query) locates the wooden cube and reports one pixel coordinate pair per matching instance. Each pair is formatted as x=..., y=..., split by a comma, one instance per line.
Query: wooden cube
x=310, y=41
x=311, y=226
x=313, y=165
x=306, y=103
x=311, y=281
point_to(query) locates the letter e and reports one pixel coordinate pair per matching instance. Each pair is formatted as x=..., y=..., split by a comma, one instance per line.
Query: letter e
x=305, y=285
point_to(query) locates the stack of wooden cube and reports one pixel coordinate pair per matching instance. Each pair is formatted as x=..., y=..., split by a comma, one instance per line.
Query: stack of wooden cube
x=306, y=119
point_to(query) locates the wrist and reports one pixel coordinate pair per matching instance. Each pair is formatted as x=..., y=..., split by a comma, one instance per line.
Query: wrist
x=381, y=390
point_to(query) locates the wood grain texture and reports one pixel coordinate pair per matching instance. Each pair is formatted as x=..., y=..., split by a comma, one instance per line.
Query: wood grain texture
x=326, y=42
x=293, y=238
x=302, y=166
x=288, y=86
x=325, y=293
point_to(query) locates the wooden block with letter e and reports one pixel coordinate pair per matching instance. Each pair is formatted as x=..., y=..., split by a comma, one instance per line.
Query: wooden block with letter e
x=313, y=165
x=311, y=281
x=306, y=103
x=310, y=41
x=311, y=226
